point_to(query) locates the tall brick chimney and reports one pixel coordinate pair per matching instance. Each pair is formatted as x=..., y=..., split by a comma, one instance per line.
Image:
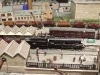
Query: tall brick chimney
x=29, y=4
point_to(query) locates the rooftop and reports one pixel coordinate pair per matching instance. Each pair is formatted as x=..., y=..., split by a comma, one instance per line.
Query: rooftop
x=65, y=4
x=94, y=2
x=26, y=12
x=6, y=9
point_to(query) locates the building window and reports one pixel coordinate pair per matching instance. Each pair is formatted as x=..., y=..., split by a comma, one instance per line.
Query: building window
x=3, y=19
x=50, y=12
x=24, y=17
x=9, y=14
x=15, y=18
x=30, y=17
x=21, y=17
x=2, y=14
x=18, y=18
x=9, y=19
x=36, y=16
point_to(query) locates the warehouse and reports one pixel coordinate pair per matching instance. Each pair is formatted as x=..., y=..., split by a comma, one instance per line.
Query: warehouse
x=14, y=52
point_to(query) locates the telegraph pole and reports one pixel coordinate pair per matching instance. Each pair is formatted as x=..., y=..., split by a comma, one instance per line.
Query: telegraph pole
x=99, y=26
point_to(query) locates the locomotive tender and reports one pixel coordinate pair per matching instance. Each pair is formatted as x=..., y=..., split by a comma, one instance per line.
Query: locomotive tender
x=55, y=43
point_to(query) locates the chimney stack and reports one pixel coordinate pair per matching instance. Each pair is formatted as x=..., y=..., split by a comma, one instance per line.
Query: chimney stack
x=29, y=4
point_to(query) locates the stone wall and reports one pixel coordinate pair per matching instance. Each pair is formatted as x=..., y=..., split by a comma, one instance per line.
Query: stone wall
x=86, y=10
x=15, y=61
x=21, y=69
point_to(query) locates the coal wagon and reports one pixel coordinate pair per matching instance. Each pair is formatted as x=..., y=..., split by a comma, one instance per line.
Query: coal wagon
x=21, y=23
x=63, y=24
x=49, y=23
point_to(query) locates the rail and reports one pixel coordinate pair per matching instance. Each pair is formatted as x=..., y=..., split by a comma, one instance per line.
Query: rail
x=61, y=66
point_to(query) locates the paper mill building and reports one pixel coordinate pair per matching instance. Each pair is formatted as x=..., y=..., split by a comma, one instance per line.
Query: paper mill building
x=16, y=54
x=85, y=9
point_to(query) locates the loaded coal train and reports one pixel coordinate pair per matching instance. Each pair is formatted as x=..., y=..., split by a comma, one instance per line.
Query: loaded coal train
x=55, y=43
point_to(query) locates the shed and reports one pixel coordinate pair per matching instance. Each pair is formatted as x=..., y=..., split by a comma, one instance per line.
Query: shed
x=30, y=31
x=16, y=54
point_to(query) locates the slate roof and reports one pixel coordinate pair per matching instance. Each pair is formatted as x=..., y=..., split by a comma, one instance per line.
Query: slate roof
x=3, y=45
x=6, y=9
x=27, y=12
x=86, y=2
x=13, y=48
x=65, y=4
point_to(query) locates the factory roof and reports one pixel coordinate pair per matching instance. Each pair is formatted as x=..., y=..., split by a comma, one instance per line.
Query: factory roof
x=23, y=49
x=30, y=31
x=65, y=4
x=3, y=45
x=17, y=31
x=23, y=29
x=6, y=9
x=7, y=29
x=86, y=2
x=27, y=12
x=13, y=48
x=37, y=3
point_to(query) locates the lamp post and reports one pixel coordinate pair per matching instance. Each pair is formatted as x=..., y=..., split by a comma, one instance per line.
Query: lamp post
x=98, y=63
x=37, y=53
x=41, y=32
x=99, y=26
x=83, y=35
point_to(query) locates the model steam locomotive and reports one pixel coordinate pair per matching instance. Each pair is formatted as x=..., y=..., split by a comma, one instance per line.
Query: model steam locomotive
x=55, y=43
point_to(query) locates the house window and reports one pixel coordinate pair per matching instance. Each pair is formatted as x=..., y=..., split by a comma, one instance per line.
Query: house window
x=40, y=16
x=21, y=17
x=24, y=17
x=2, y=14
x=36, y=16
x=9, y=14
x=9, y=19
x=30, y=17
x=50, y=12
x=18, y=18
x=15, y=18
x=3, y=19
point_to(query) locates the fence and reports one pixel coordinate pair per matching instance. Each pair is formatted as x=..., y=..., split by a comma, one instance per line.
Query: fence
x=61, y=66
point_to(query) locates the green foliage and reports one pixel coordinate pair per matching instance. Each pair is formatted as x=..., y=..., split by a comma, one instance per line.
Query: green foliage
x=91, y=20
x=66, y=18
x=56, y=19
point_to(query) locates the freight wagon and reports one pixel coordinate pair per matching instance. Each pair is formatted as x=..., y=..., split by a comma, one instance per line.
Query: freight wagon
x=63, y=24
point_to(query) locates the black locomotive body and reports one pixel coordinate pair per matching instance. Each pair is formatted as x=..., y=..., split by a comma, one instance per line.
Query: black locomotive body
x=55, y=43
x=65, y=43
x=40, y=42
